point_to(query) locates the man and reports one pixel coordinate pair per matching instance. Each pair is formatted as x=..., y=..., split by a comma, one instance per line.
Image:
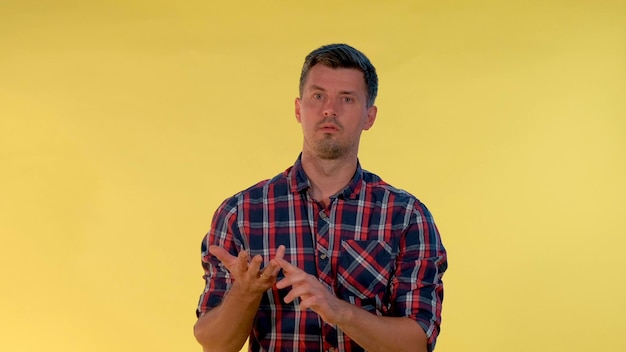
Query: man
x=325, y=256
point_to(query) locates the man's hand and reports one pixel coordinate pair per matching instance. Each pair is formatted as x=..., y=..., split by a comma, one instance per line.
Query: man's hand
x=227, y=326
x=249, y=276
x=370, y=331
x=312, y=293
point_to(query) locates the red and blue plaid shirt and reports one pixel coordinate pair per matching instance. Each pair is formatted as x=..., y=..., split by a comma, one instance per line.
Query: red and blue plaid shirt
x=374, y=246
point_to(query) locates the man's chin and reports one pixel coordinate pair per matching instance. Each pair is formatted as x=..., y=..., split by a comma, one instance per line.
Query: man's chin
x=330, y=154
x=329, y=150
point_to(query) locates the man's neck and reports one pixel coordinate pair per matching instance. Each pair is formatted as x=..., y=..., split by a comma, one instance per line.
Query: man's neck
x=327, y=177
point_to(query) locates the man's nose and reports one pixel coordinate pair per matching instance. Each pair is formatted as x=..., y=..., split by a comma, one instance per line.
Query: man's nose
x=330, y=107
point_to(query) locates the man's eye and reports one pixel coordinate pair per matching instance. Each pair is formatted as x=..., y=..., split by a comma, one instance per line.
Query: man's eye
x=317, y=96
x=348, y=99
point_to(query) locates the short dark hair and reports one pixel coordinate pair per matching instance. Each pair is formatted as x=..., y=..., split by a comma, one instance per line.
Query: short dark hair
x=342, y=56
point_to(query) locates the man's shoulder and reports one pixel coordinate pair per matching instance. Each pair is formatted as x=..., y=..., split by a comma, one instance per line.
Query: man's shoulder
x=275, y=185
x=379, y=188
x=376, y=184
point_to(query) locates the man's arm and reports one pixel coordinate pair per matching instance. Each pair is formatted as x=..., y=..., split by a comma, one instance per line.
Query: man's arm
x=378, y=333
x=227, y=326
x=373, y=333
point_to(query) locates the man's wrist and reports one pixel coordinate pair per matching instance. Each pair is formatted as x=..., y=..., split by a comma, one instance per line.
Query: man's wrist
x=345, y=313
x=243, y=295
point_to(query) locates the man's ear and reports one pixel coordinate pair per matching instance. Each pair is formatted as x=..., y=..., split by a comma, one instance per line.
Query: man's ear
x=297, y=103
x=371, y=117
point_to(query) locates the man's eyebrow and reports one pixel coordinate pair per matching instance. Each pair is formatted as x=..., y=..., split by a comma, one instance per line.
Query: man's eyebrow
x=343, y=92
x=315, y=87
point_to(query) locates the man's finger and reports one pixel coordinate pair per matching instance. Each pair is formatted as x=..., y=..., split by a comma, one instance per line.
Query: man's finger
x=255, y=264
x=286, y=266
x=242, y=261
x=226, y=258
x=293, y=274
x=280, y=253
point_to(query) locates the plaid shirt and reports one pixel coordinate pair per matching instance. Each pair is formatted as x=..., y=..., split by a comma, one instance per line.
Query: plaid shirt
x=374, y=246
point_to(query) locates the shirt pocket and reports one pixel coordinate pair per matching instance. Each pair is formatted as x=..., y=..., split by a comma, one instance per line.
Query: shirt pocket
x=364, y=273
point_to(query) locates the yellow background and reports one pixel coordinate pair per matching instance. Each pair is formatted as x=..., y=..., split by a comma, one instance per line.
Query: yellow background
x=124, y=124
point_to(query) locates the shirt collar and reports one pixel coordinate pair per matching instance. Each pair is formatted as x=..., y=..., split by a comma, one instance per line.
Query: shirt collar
x=299, y=181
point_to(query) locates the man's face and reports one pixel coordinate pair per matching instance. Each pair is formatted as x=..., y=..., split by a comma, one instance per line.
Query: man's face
x=333, y=111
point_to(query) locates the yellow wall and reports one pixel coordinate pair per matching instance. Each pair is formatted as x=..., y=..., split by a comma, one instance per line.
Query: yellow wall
x=123, y=124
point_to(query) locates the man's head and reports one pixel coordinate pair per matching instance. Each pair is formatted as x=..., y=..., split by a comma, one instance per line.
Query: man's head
x=342, y=56
x=338, y=87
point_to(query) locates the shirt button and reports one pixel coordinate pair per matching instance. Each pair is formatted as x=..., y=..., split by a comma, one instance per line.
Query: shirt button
x=323, y=257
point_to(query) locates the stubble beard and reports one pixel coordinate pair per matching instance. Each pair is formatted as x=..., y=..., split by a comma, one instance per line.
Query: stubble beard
x=329, y=149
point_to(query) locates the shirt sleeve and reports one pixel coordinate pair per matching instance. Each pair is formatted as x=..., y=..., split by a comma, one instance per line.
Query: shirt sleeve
x=418, y=287
x=223, y=233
